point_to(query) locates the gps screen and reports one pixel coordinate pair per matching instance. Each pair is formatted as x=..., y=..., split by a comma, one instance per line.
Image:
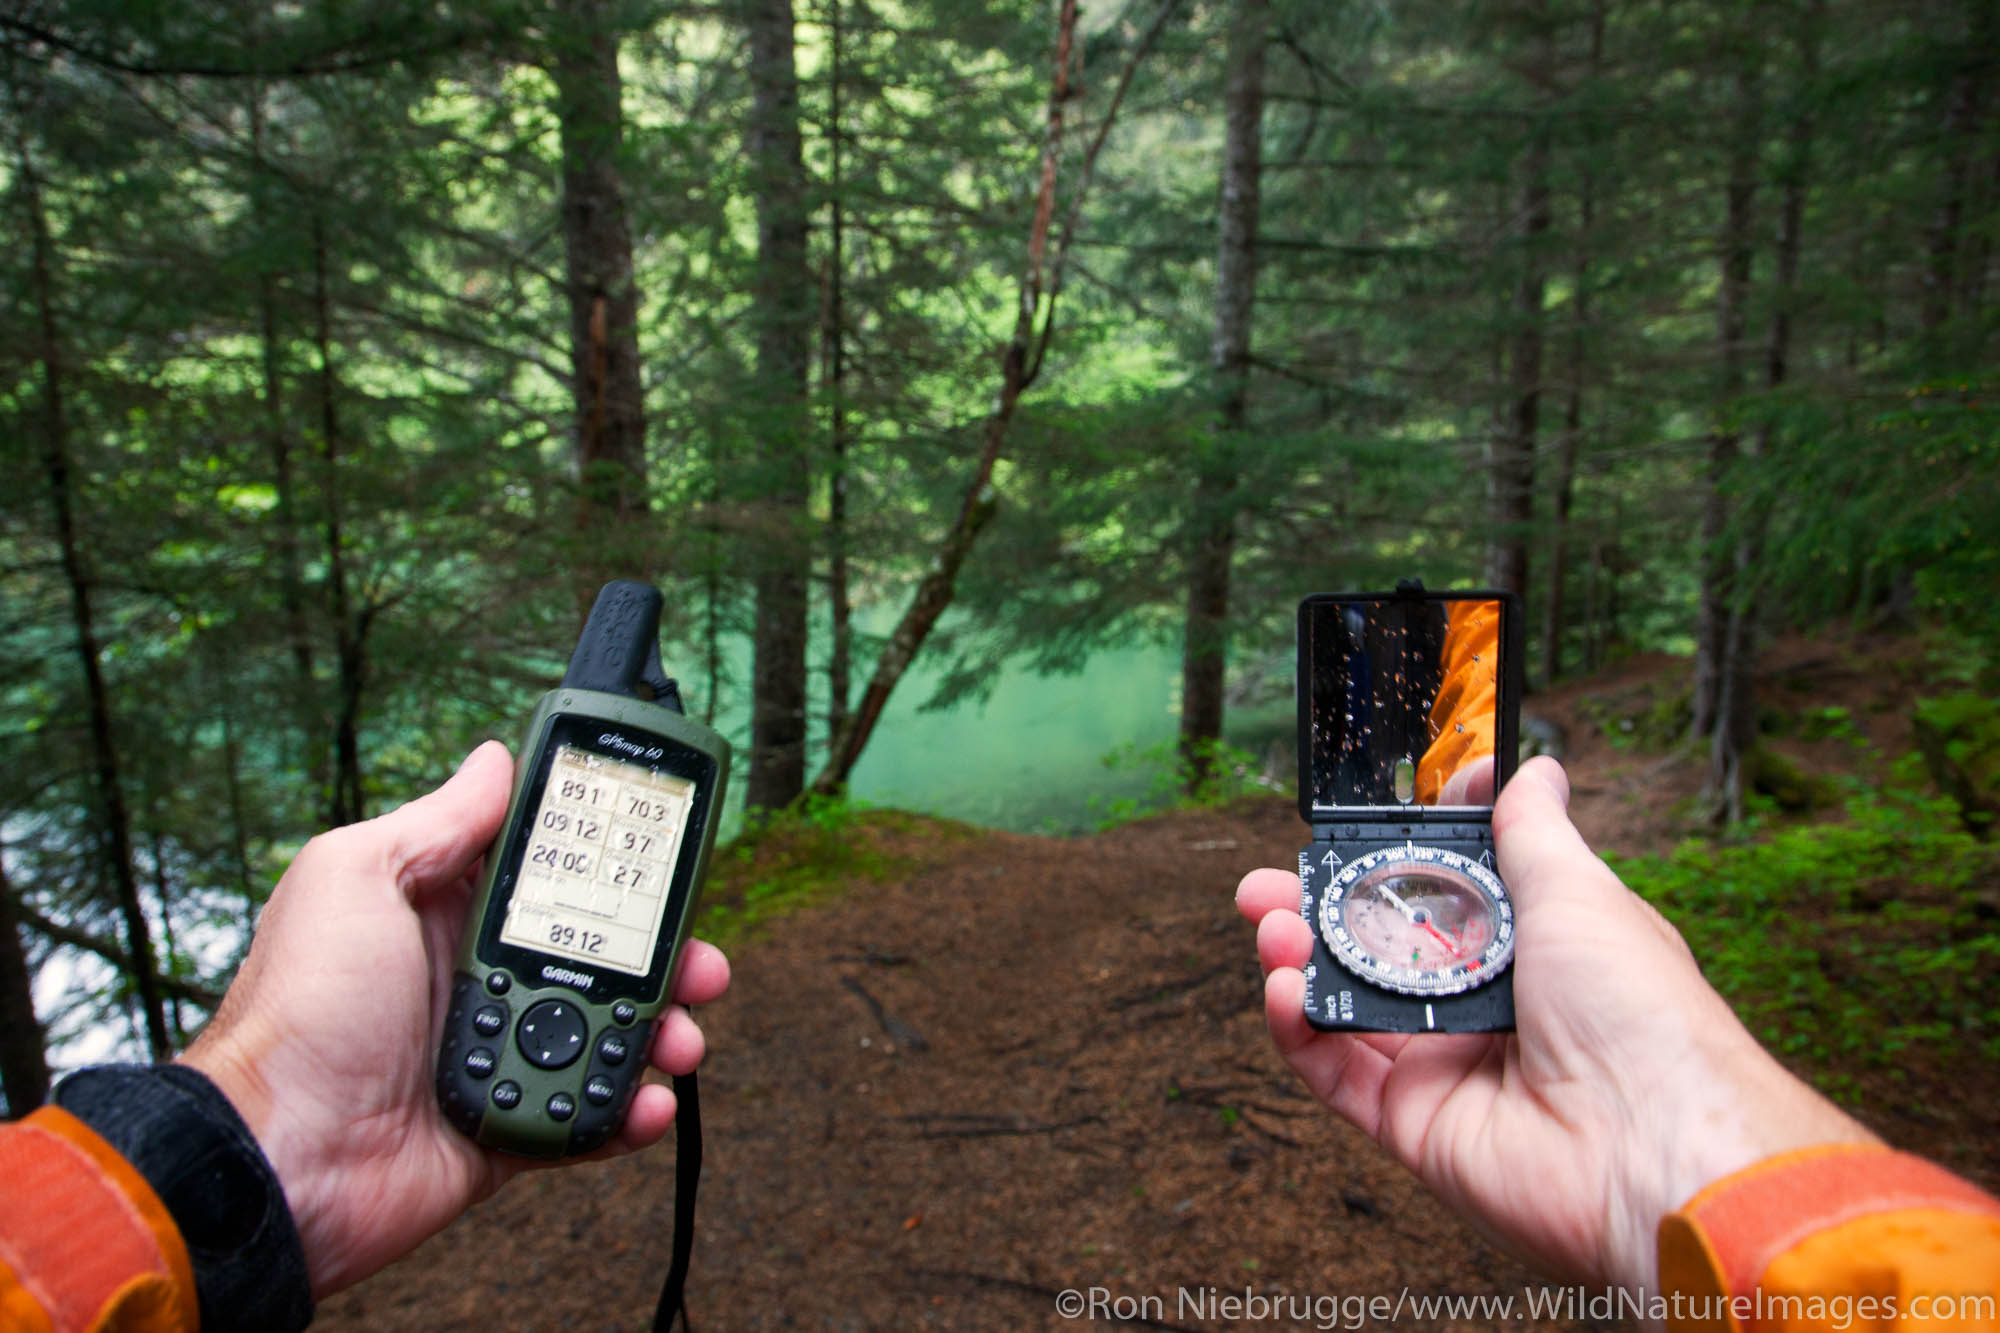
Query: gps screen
x=600, y=859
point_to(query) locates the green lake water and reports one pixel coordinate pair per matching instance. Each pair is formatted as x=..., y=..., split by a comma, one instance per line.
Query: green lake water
x=1032, y=756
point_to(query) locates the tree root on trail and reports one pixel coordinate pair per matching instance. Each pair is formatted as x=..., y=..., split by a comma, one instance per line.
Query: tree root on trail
x=1050, y=1294
x=948, y=1125
x=893, y=1027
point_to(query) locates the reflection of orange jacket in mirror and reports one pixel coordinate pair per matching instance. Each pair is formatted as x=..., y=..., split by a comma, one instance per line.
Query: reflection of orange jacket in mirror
x=1461, y=722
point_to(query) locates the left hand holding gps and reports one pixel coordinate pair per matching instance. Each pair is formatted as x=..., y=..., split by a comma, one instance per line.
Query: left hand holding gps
x=326, y=1039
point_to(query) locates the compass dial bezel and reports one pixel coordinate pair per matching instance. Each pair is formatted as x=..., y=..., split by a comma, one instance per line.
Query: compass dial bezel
x=1464, y=874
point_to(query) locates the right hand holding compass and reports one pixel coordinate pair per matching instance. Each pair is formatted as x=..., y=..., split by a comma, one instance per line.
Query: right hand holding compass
x=1628, y=1086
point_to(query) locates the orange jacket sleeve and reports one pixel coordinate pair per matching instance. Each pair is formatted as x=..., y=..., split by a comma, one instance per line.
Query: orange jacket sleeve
x=1835, y=1238
x=85, y=1244
x=1461, y=721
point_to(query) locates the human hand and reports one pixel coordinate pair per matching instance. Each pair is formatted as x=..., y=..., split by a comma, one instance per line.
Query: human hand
x=1629, y=1085
x=326, y=1040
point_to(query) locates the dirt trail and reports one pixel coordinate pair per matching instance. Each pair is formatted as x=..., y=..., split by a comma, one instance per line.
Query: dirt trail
x=1068, y=1085
x=1083, y=1096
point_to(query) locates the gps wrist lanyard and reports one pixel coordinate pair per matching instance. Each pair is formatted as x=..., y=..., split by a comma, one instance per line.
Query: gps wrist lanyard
x=604, y=661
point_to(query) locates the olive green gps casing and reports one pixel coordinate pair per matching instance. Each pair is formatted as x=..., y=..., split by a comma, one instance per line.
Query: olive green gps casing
x=595, y=1024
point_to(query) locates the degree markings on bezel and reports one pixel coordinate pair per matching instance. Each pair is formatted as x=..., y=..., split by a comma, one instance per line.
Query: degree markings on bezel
x=1447, y=980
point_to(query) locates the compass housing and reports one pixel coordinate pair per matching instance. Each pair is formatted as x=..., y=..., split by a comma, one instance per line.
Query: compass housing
x=1372, y=747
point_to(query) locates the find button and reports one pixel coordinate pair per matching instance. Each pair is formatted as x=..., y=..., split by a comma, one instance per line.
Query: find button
x=551, y=1034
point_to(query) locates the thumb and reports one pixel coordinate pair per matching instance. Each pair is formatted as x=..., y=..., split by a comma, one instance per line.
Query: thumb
x=1548, y=867
x=436, y=838
x=1543, y=859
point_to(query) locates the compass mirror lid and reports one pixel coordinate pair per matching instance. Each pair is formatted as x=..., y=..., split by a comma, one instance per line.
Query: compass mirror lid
x=1408, y=703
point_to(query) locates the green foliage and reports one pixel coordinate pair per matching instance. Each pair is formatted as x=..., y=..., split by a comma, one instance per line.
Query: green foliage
x=1851, y=945
x=1910, y=480
x=812, y=850
x=1787, y=786
x=1959, y=737
x=1654, y=719
x=1229, y=774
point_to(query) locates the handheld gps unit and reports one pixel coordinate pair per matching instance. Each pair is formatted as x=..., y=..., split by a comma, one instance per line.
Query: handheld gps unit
x=570, y=950
x=1409, y=706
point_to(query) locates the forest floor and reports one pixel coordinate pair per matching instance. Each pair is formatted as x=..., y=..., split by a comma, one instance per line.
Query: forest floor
x=997, y=1067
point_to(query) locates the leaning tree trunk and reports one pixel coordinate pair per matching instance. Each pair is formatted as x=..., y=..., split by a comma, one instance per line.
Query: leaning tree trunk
x=782, y=308
x=1718, y=561
x=1020, y=362
x=24, y=1061
x=1211, y=526
x=114, y=823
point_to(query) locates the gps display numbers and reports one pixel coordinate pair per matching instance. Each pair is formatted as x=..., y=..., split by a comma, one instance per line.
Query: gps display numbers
x=603, y=850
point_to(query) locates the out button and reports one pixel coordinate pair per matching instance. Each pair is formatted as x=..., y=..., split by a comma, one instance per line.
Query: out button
x=551, y=1034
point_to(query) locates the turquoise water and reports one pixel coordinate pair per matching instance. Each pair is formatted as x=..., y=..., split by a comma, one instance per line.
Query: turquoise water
x=1032, y=756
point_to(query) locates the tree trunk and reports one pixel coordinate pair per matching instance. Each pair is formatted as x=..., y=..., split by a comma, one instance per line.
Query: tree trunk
x=1732, y=293
x=1554, y=605
x=1510, y=469
x=1963, y=109
x=24, y=1061
x=344, y=804
x=115, y=826
x=1211, y=527
x=782, y=302
x=277, y=440
x=163, y=892
x=1020, y=362
x=603, y=294
x=239, y=838
x=1979, y=255
x=1736, y=731
x=712, y=582
x=840, y=652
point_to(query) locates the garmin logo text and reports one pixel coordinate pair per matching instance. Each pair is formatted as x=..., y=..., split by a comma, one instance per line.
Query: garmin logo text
x=568, y=977
x=611, y=740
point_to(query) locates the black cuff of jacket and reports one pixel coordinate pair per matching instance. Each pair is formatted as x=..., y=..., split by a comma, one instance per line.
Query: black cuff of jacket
x=180, y=1133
